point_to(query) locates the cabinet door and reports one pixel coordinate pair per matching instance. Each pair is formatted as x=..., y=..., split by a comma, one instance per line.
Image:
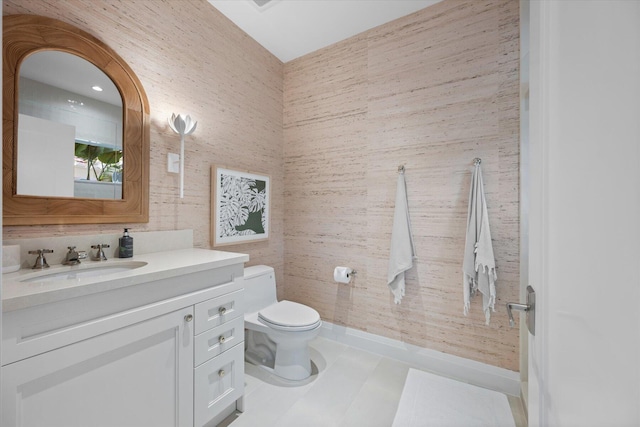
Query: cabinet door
x=218, y=382
x=140, y=375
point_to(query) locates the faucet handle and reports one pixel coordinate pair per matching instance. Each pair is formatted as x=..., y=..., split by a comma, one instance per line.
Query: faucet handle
x=41, y=261
x=99, y=256
x=41, y=251
x=71, y=248
x=102, y=246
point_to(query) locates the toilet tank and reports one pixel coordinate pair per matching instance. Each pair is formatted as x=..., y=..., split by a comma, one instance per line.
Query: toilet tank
x=259, y=287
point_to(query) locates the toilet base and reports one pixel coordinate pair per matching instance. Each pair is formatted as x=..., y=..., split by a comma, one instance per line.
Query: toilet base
x=292, y=362
x=259, y=349
x=285, y=357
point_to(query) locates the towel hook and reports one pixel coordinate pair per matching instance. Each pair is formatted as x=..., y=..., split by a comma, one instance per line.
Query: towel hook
x=477, y=161
x=401, y=169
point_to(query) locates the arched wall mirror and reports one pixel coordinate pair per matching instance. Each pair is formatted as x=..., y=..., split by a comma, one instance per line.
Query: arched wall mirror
x=72, y=154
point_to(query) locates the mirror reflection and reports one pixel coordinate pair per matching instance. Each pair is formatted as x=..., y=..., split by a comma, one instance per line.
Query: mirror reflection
x=69, y=129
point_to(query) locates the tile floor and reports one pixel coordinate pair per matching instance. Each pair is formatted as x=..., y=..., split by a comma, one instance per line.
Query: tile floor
x=349, y=388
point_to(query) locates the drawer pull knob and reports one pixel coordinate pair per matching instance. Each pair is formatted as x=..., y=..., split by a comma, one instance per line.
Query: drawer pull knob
x=221, y=373
x=188, y=318
x=222, y=339
x=222, y=310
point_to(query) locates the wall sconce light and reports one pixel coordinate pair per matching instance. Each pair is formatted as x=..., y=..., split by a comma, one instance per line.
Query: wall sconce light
x=182, y=126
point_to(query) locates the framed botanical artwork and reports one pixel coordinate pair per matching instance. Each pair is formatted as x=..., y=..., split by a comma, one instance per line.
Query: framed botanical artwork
x=240, y=206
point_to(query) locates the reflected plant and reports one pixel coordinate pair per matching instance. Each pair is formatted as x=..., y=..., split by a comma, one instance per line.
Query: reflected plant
x=111, y=162
x=90, y=154
x=109, y=159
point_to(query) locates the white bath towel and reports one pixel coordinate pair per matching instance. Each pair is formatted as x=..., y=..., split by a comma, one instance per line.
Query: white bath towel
x=402, y=248
x=479, y=265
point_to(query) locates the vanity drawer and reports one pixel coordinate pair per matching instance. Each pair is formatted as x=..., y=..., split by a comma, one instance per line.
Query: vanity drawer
x=218, y=383
x=218, y=340
x=216, y=311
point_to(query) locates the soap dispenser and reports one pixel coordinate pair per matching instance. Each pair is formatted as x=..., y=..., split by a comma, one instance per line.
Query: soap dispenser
x=126, y=245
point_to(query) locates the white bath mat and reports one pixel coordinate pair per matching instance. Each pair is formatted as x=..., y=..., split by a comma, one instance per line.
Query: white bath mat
x=434, y=401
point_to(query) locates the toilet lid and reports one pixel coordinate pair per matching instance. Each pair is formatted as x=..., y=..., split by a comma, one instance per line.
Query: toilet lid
x=288, y=315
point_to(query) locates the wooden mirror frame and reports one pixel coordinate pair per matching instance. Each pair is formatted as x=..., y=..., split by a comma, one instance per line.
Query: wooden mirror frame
x=27, y=34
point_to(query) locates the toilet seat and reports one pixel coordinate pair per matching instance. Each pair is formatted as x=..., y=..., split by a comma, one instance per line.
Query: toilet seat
x=289, y=316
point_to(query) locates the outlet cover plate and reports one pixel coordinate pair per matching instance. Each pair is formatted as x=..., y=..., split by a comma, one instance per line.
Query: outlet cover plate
x=173, y=163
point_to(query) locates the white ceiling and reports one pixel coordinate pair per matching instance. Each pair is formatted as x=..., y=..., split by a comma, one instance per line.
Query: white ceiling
x=292, y=28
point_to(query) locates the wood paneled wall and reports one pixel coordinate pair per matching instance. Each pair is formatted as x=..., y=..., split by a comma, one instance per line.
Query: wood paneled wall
x=431, y=91
x=190, y=59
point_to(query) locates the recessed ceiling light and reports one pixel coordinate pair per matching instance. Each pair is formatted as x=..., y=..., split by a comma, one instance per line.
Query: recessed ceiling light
x=97, y=88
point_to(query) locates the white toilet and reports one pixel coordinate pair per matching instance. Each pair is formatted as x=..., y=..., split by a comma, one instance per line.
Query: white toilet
x=277, y=333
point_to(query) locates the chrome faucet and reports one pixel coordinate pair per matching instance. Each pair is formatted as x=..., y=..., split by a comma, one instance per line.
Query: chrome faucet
x=99, y=256
x=41, y=261
x=73, y=257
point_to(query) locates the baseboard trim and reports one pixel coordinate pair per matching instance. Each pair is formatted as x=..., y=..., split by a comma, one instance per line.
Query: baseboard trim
x=466, y=370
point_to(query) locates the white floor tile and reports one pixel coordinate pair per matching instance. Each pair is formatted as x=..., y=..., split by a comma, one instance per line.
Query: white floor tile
x=328, y=399
x=376, y=403
x=349, y=388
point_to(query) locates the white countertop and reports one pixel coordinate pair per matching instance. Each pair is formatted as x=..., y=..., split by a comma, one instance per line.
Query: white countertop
x=18, y=294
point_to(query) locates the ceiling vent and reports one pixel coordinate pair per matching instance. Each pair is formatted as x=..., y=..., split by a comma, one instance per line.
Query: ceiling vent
x=261, y=3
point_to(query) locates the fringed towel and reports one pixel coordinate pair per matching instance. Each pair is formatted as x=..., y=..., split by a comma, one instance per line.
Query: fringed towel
x=479, y=265
x=402, y=247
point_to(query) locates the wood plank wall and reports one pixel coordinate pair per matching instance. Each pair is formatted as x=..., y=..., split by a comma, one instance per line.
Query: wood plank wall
x=431, y=91
x=190, y=59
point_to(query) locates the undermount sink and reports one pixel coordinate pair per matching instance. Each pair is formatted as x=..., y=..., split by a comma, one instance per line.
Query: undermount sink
x=83, y=271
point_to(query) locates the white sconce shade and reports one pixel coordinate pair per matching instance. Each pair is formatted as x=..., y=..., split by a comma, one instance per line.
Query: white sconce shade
x=182, y=126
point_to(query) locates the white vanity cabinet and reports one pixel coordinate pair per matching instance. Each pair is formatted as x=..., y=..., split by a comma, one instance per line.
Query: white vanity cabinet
x=166, y=352
x=140, y=375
